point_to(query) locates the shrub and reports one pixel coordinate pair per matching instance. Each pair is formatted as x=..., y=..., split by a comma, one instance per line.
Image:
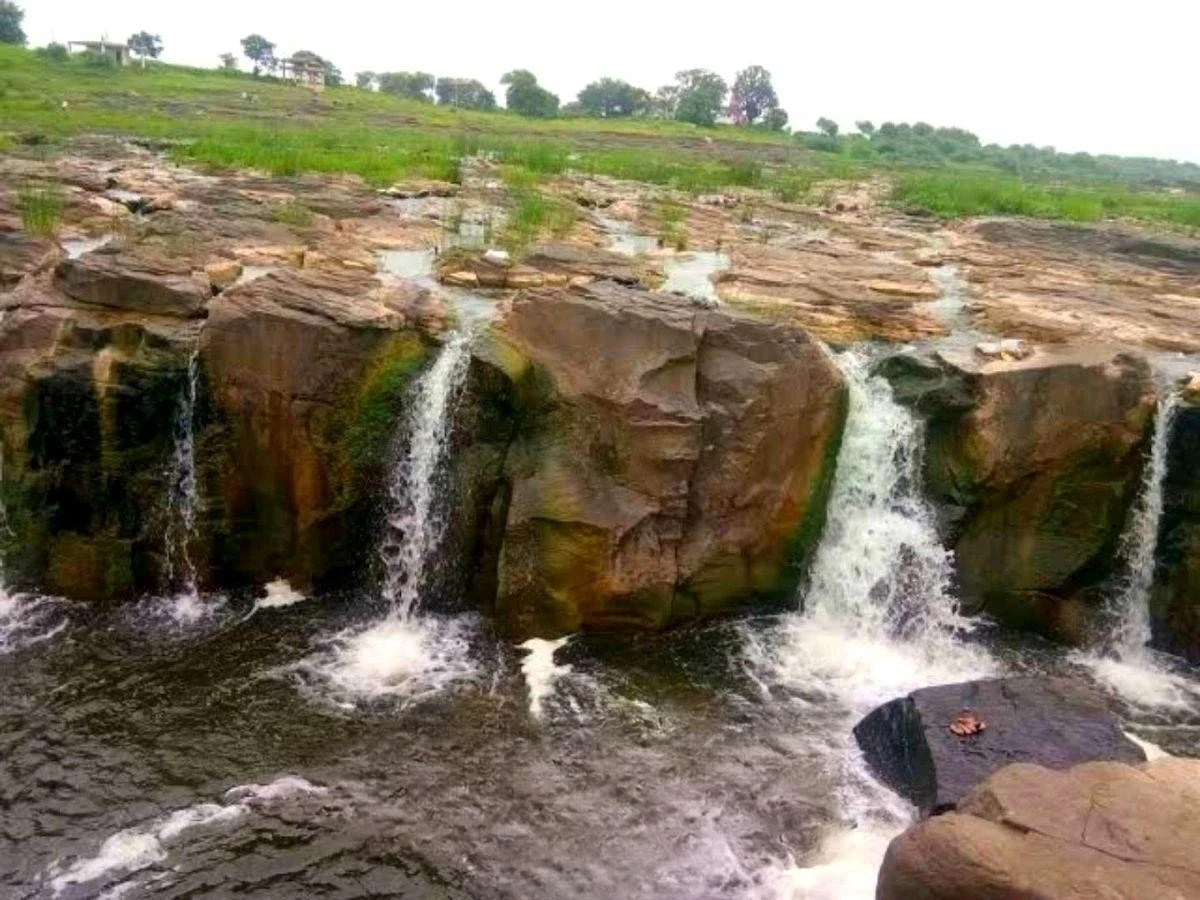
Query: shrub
x=40, y=207
x=292, y=213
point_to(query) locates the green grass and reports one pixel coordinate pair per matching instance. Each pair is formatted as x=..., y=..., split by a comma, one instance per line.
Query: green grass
x=222, y=120
x=40, y=208
x=955, y=194
x=672, y=230
x=533, y=215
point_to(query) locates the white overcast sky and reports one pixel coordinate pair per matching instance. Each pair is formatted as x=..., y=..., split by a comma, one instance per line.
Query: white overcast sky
x=1115, y=76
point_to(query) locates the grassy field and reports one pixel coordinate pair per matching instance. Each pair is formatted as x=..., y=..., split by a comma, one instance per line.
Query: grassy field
x=219, y=119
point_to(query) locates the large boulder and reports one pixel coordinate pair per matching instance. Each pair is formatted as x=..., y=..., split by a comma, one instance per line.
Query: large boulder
x=1102, y=829
x=668, y=462
x=1053, y=722
x=119, y=279
x=87, y=397
x=1175, y=594
x=1035, y=463
x=304, y=379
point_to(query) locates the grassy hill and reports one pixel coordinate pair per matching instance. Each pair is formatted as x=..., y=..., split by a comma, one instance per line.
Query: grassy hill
x=224, y=119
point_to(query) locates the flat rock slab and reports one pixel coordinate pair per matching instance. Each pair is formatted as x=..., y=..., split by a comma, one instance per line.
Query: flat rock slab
x=1053, y=722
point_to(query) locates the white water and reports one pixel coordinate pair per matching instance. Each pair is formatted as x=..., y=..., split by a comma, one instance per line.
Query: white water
x=24, y=618
x=1131, y=602
x=134, y=849
x=179, y=572
x=541, y=672
x=417, y=522
x=1123, y=661
x=878, y=620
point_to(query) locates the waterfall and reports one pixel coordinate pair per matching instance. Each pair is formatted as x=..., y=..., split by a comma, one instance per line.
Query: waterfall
x=878, y=619
x=1130, y=602
x=179, y=573
x=880, y=568
x=417, y=519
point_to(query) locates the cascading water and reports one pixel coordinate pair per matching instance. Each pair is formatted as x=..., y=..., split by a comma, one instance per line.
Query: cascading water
x=1123, y=659
x=1131, y=601
x=878, y=619
x=416, y=522
x=179, y=571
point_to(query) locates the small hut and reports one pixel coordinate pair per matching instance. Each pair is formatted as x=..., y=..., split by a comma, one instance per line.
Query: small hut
x=119, y=52
x=304, y=68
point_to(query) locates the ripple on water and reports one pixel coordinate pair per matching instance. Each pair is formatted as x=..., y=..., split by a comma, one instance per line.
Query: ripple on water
x=135, y=849
x=27, y=619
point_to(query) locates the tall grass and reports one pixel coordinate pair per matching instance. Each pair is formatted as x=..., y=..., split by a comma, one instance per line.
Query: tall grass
x=957, y=194
x=40, y=208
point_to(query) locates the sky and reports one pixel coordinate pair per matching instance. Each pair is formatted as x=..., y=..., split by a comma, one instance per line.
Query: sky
x=1105, y=77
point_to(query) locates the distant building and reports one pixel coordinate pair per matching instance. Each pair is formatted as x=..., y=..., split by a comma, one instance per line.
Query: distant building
x=304, y=68
x=119, y=52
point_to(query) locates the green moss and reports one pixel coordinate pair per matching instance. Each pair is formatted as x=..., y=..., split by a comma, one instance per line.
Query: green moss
x=375, y=409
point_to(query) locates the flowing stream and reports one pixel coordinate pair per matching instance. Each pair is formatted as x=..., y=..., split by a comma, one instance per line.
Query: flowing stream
x=179, y=570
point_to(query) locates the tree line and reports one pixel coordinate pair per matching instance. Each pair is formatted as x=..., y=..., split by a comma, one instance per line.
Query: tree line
x=699, y=96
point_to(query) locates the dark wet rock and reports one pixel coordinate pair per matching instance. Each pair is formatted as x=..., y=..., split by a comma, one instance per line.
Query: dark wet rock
x=87, y=395
x=668, y=463
x=135, y=282
x=1035, y=464
x=1053, y=722
x=1175, y=595
x=1103, y=829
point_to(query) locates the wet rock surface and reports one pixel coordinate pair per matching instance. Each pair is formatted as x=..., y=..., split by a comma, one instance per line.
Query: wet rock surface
x=669, y=463
x=1056, y=723
x=1103, y=829
x=1015, y=450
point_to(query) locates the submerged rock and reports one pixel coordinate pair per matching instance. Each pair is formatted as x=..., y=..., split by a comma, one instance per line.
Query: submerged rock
x=668, y=462
x=1103, y=829
x=1054, y=722
x=1035, y=463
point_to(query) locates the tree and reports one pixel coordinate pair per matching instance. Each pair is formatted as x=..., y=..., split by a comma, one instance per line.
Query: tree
x=828, y=126
x=259, y=51
x=776, y=119
x=526, y=97
x=701, y=96
x=410, y=85
x=610, y=98
x=11, y=17
x=464, y=93
x=664, y=101
x=753, y=95
x=366, y=81
x=145, y=45
x=228, y=62
x=333, y=75
x=865, y=127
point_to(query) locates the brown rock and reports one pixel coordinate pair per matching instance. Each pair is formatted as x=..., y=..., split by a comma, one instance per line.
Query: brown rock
x=1097, y=830
x=307, y=372
x=141, y=282
x=223, y=272
x=672, y=462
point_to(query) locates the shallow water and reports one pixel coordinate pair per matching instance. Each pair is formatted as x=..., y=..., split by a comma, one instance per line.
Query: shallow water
x=691, y=274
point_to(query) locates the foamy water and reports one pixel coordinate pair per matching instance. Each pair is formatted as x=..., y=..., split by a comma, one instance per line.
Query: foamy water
x=134, y=849
x=404, y=660
x=541, y=672
x=879, y=621
x=279, y=595
x=27, y=619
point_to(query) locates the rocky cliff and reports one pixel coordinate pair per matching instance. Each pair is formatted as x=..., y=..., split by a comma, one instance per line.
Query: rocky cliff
x=669, y=462
x=1035, y=463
